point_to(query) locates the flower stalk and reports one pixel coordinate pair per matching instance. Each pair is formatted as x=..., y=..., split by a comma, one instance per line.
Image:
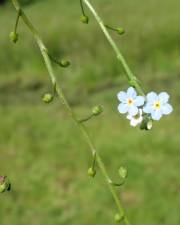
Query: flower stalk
x=130, y=76
x=63, y=99
x=119, y=30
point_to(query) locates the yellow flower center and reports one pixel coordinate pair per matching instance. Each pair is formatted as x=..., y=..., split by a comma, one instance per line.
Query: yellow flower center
x=130, y=101
x=157, y=105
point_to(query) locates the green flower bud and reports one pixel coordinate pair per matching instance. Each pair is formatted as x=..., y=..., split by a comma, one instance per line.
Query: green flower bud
x=118, y=218
x=65, y=63
x=85, y=19
x=47, y=98
x=97, y=110
x=91, y=172
x=14, y=37
x=146, y=124
x=4, y=184
x=123, y=172
x=120, y=30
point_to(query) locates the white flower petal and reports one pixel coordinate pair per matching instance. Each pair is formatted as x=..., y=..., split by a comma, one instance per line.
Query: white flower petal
x=123, y=108
x=151, y=97
x=140, y=119
x=156, y=115
x=140, y=112
x=163, y=97
x=133, y=110
x=122, y=96
x=167, y=109
x=129, y=117
x=131, y=92
x=148, y=108
x=133, y=123
x=139, y=101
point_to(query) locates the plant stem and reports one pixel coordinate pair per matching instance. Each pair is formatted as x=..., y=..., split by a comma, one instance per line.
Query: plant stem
x=17, y=21
x=86, y=119
x=63, y=99
x=131, y=77
x=109, y=27
x=82, y=8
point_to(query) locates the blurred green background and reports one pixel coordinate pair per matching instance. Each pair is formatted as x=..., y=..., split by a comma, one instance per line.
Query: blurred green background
x=41, y=149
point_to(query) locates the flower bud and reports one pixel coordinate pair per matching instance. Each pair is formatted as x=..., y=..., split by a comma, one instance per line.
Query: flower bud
x=146, y=124
x=14, y=37
x=120, y=30
x=4, y=184
x=64, y=63
x=91, y=172
x=85, y=19
x=47, y=98
x=123, y=172
x=97, y=110
x=118, y=218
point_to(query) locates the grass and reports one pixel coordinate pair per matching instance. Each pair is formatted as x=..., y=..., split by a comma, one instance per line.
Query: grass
x=41, y=150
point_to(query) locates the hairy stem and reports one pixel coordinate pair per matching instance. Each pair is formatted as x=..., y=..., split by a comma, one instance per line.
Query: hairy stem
x=131, y=77
x=63, y=99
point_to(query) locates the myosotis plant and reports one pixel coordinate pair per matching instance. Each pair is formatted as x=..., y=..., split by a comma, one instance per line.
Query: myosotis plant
x=139, y=109
x=153, y=107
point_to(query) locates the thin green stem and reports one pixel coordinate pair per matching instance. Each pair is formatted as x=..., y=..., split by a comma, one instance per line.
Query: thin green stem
x=94, y=160
x=117, y=184
x=110, y=28
x=86, y=119
x=17, y=20
x=82, y=8
x=63, y=99
x=131, y=77
x=54, y=59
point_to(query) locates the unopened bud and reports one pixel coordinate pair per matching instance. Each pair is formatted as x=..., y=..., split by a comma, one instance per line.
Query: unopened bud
x=118, y=218
x=146, y=124
x=47, y=98
x=97, y=110
x=91, y=172
x=85, y=19
x=4, y=184
x=123, y=172
x=14, y=37
x=120, y=30
x=64, y=63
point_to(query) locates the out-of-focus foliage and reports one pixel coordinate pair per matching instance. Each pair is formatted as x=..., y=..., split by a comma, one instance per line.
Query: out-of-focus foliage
x=23, y=2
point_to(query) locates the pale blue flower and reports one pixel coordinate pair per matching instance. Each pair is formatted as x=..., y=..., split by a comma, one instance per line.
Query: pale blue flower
x=157, y=105
x=129, y=102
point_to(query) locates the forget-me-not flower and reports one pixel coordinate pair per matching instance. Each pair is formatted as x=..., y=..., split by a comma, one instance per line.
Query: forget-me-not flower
x=137, y=119
x=157, y=105
x=129, y=102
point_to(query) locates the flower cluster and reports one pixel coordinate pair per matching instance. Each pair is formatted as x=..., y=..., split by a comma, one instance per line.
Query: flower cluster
x=140, y=108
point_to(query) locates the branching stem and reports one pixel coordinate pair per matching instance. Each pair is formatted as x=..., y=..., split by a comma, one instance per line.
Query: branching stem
x=63, y=99
x=131, y=77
